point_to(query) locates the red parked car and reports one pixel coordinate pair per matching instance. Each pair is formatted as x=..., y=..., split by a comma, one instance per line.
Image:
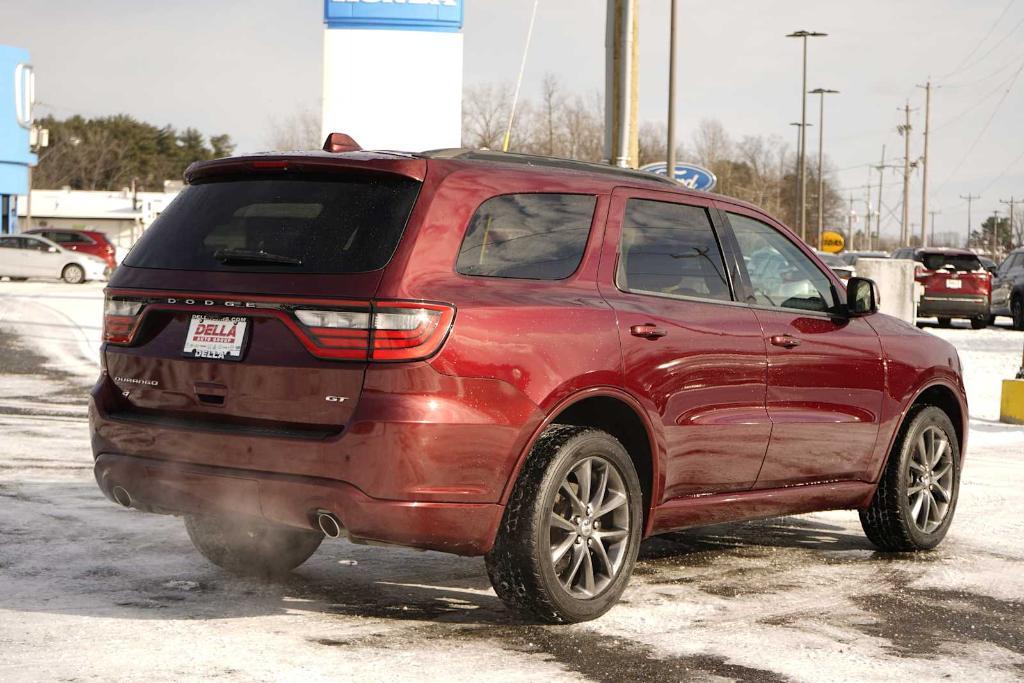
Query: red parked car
x=536, y=360
x=86, y=241
x=956, y=285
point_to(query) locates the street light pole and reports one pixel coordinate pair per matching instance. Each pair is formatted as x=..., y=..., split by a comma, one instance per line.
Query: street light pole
x=670, y=156
x=821, y=92
x=796, y=190
x=970, y=200
x=802, y=173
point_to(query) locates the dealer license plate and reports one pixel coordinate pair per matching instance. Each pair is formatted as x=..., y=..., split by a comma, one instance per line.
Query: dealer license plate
x=953, y=284
x=216, y=337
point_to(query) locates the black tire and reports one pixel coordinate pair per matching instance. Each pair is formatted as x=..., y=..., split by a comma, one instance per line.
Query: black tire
x=520, y=565
x=945, y=322
x=980, y=323
x=889, y=521
x=17, y=279
x=1017, y=312
x=73, y=274
x=249, y=546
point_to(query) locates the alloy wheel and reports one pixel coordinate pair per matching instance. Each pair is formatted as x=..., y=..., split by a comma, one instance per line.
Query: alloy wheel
x=589, y=527
x=930, y=493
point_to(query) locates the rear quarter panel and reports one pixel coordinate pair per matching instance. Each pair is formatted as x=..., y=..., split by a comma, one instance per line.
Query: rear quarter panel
x=546, y=340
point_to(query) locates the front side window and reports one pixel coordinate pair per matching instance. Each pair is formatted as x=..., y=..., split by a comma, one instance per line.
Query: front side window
x=528, y=236
x=670, y=249
x=37, y=245
x=781, y=275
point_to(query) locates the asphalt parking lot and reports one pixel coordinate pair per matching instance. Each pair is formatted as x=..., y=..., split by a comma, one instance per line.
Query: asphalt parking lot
x=91, y=590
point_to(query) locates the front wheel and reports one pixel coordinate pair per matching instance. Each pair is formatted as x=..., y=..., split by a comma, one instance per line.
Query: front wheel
x=1017, y=312
x=248, y=546
x=571, y=531
x=916, y=497
x=73, y=274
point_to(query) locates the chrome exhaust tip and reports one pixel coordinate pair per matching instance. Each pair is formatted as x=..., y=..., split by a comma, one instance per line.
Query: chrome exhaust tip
x=328, y=524
x=121, y=496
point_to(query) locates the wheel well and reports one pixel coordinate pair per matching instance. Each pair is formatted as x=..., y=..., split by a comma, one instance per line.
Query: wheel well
x=944, y=399
x=620, y=420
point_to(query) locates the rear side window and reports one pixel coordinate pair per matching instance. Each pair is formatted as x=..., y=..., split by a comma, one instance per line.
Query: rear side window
x=68, y=237
x=670, y=249
x=530, y=236
x=297, y=224
x=939, y=261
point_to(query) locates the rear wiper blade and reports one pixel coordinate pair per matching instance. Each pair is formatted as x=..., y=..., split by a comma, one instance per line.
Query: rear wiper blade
x=253, y=256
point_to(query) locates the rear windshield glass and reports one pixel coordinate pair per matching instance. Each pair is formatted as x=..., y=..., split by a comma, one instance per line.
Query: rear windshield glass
x=960, y=262
x=531, y=236
x=298, y=224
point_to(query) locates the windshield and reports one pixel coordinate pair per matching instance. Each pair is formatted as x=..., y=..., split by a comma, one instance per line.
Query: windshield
x=939, y=261
x=296, y=224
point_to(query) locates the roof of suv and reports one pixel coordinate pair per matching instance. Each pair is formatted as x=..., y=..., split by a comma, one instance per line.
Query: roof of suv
x=554, y=166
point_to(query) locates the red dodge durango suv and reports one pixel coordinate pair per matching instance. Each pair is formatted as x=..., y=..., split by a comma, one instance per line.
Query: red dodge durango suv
x=536, y=360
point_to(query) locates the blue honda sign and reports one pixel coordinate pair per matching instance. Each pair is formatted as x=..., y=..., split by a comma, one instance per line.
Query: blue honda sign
x=407, y=15
x=687, y=175
x=16, y=95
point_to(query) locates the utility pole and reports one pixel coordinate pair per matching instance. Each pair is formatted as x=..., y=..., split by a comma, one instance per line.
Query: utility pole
x=924, y=157
x=1011, y=201
x=621, y=83
x=995, y=230
x=866, y=235
x=821, y=92
x=932, y=214
x=970, y=200
x=878, y=218
x=802, y=172
x=670, y=156
x=849, y=220
x=904, y=130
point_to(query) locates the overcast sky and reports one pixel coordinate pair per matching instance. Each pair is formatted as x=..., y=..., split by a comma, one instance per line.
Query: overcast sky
x=237, y=65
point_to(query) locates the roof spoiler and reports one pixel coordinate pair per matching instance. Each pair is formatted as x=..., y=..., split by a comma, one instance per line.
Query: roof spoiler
x=339, y=142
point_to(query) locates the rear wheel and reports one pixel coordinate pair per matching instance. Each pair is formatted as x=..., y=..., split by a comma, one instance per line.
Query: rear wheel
x=945, y=322
x=980, y=322
x=1017, y=312
x=916, y=497
x=571, y=531
x=247, y=546
x=17, y=279
x=73, y=274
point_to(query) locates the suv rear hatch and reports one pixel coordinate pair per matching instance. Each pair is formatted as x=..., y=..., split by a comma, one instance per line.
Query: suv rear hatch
x=950, y=274
x=248, y=306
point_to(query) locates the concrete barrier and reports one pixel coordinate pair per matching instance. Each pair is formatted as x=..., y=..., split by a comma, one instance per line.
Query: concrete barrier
x=898, y=291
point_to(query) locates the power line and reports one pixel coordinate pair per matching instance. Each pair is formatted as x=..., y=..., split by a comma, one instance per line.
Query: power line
x=981, y=42
x=984, y=128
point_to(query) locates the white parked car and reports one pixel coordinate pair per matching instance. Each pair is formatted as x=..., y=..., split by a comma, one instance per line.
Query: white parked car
x=25, y=256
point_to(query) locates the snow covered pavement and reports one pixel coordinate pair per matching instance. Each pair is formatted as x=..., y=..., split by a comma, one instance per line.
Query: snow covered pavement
x=88, y=590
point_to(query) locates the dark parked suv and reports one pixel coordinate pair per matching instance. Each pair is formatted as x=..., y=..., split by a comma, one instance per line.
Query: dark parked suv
x=535, y=360
x=1008, y=289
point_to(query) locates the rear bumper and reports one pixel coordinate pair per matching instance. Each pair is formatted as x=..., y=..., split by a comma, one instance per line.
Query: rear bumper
x=953, y=305
x=181, y=488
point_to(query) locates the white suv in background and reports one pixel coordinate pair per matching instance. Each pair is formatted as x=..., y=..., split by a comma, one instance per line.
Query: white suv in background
x=25, y=256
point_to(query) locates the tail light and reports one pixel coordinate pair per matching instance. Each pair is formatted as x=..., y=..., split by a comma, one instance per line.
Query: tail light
x=120, y=319
x=349, y=330
x=390, y=331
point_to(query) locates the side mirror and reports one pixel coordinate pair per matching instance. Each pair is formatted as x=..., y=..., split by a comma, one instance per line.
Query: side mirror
x=861, y=297
x=52, y=250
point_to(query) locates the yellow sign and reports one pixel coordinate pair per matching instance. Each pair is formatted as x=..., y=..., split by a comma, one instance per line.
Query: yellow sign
x=832, y=242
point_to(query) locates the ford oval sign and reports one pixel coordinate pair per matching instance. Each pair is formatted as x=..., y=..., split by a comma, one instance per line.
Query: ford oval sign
x=687, y=175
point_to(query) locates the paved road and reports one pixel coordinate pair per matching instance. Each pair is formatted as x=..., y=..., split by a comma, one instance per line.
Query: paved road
x=91, y=591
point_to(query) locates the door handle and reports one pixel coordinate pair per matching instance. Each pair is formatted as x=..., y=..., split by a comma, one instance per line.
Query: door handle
x=785, y=341
x=648, y=331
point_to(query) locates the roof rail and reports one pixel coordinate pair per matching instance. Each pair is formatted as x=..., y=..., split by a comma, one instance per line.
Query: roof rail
x=545, y=162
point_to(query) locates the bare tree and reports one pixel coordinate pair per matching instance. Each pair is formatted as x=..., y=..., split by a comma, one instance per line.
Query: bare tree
x=485, y=115
x=298, y=131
